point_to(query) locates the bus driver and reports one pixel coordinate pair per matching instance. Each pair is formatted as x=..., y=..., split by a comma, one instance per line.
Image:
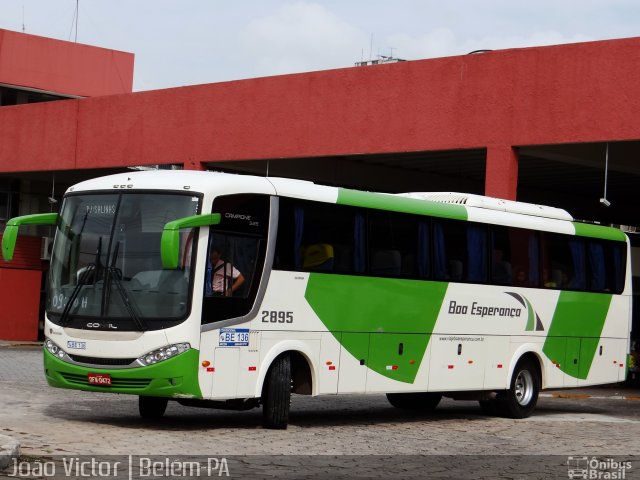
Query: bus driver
x=222, y=277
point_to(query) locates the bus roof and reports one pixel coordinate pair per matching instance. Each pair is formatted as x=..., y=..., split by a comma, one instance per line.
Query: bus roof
x=491, y=203
x=453, y=205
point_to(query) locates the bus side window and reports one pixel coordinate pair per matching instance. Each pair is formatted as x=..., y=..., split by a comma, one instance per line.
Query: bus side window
x=606, y=265
x=459, y=251
x=319, y=237
x=597, y=267
x=393, y=244
x=617, y=255
x=521, y=251
x=564, y=262
x=549, y=277
x=237, y=246
x=476, y=249
x=501, y=265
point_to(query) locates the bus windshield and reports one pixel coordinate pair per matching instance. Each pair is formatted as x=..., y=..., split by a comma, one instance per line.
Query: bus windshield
x=106, y=271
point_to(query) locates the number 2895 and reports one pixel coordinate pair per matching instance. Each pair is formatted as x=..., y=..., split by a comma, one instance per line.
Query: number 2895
x=276, y=316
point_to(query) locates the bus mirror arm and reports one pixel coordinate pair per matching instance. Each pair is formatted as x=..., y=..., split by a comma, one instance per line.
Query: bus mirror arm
x=10, y=235
x=170, y=241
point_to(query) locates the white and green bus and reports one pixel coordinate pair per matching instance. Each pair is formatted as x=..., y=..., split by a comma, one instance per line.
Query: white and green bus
x=324, y=291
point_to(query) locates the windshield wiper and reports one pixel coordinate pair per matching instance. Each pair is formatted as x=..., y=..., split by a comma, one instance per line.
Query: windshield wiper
x=114, y=273
x=64, y=317
x=97, y=265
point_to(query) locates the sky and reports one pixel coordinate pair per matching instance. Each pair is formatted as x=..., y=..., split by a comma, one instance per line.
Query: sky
x=187, y=42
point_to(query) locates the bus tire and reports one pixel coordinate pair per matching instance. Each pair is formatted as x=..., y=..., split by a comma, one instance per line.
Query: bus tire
x=152, y=408
x=522, y=396
x=424, y=401
x=276, y=394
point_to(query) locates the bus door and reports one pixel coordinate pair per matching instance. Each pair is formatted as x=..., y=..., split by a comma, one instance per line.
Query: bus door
x=233, y=276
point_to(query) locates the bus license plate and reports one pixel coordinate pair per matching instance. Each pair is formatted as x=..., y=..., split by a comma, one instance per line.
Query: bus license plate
x=234, y=337
x=102, y=379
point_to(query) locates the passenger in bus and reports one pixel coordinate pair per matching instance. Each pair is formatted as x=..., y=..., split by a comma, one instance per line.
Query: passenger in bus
x=500, y=268
x=223, y=279
x=520, y=280
x=547, y=281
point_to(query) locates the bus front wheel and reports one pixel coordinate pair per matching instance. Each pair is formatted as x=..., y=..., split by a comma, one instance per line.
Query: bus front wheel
x=276, y=394
x=522, y=396
x=152, y=407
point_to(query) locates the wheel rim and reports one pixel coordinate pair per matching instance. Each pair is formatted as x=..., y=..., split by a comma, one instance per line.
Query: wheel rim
x=523, y=388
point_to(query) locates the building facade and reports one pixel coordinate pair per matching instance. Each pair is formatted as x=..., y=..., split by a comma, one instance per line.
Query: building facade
x=544, y=125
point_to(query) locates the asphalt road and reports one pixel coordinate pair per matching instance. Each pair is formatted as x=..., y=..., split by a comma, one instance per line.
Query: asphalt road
x=337, y=435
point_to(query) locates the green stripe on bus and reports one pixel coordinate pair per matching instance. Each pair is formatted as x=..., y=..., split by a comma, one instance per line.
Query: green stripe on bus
x=531, y=321
x=382, y=201
x=598, y=231
x=384, y=322
x=575, y=331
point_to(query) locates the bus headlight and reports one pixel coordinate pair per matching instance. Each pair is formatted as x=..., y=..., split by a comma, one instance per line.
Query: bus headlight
x=163, y=353
x=55, y=350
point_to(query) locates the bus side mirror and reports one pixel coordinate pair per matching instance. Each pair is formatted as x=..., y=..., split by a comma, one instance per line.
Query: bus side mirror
x=170, y=241
x=10, y=234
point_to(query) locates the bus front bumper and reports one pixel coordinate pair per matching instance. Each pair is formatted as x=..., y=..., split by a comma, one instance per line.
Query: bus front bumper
x=176, y=377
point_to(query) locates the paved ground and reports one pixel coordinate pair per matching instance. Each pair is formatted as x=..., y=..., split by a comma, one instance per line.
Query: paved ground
x=50, y=422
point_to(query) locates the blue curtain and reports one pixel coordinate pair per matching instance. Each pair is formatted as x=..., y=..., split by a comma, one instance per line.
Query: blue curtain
x=423, y=250
x=358, y=243
x=298, y=231
x=579, y=280
x=439, y=252
x=597, y=267
x=534, y=261
x=476, y=253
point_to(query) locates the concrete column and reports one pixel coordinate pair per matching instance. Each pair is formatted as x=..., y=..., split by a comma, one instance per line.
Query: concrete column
x=501, y=172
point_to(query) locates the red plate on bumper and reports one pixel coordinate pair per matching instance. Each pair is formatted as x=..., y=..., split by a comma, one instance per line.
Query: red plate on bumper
x=101, y=379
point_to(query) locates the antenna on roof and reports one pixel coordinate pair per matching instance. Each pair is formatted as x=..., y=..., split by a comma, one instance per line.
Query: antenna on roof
x=75, y=21
x=371, y=48
x=23, y=29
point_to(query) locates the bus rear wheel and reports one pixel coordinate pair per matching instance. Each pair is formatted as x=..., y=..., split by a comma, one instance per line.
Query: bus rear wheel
x=276, y=394
x=425, y=401
x=522, y=396
x=152, y=408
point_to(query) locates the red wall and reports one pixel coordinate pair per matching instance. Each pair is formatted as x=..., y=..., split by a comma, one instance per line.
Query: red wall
x=48, y=136
x=63, y=67
x=20, y=298
x=20, y=282
x=571, y=93
x=585, y=92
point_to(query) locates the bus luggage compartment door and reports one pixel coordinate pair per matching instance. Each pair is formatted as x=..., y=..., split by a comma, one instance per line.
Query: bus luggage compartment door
x=225, y=375
x=354, y=360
